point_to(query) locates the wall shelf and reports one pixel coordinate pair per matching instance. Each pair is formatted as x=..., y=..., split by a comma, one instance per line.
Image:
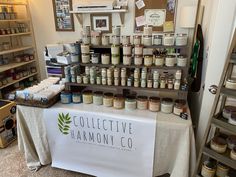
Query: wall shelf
x=153, y=46
x=16, y=34
x=16, y=50
x=14, y=65
x=79, y=14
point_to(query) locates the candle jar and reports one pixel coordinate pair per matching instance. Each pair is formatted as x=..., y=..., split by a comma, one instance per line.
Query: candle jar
x=98, y=80
x=138, y=50
x=154, y=104
x=137, y=40
x=177, y=84
x=143, y=83
x=123, y=81
x=123, y=73
x=179, y=107
x=66, y=97
x=149, y=83
x=181, y=61
x=233, y=153
x=231, y=141
x=79, y=79
x=142, y=102
x=218, y=144
x=96, y=40
x=170, y=60
x=98, y=98
x=115, y=50
x=143, y=74
x=130, y=103
x=159, y=60
x=208, y=169
x=147, y=40
x=85, y=58
x=181, y=40
x=116, y=81
x=119, y=101
x=155, y=84
x=116, y=30
x=105, y=40
x=125, y=40
x=147, y=30
x=104, y=81
x=115, y=59
x=178, y=74
x=116, y=72
x=227, y=111
x=92, y=80
x=110, y=72
x=138, y=60
x=232, y=119
x=136, y=82
x=109, y=81
x=157, y=39
x=85, y=79
x=76, y=97
x=86, y=39
x=116, y=40
x=104, y=72
x=105, y=59
x=108, y=99
x=136, y=73
x=170, y=84
x=148, y=60
x=95, y=58
x=230, y=84
x=127, y=59
x=129, y=82
x=156, y=75
x=221, y=170
x=168, y=40
x=127, y=49
x=167, y=105
x=87, y=97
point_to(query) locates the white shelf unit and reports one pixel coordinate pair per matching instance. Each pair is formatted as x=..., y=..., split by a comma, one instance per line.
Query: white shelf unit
x=22, y=42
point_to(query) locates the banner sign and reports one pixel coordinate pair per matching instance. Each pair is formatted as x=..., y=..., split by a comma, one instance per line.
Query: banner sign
x=101, y=144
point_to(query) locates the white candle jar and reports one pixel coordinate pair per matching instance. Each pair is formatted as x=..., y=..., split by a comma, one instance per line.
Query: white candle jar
x=105, y=59
x=98, y=98
x=96, y=40
x=95, y=58
x=181, y=61
x=115, y=50
x=138, y=60
x=137, y=40
x=127, y=49
x=116, y=81
x=98, y=80
x=159, y=60
x=85, y=48
x=167, y=105
x=127, y=59
x=116, y=40
x=87, y=97
x=147, y=30
x=123, y=81
x=125, y=40
x=105, y=40
x=181, y=40
x=156, y=75
x=85, y=58
x=123, y=73
x=178, y=74
x=130, y=103
x=115, y=59
x=117, y=72
x=136, y=82
x=168, y=40
x=155, y=84
x=147, y=40
x=170, y=60
x=157, y=39
x=138, y=50
x=148, y=60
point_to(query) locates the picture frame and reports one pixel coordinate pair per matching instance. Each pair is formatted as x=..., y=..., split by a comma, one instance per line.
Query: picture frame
x=101, y=22
x=64, y=20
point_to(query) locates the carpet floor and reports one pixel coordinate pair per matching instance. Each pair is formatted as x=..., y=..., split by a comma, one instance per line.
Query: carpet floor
x=12, y=164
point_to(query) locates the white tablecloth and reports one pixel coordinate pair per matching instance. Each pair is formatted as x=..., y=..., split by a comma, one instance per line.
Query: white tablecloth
x=174, y=148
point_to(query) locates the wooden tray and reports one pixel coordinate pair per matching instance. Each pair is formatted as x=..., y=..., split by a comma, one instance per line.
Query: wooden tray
x=39, y=104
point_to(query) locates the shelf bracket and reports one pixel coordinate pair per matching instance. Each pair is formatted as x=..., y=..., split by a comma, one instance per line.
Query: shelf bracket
x=79, y=18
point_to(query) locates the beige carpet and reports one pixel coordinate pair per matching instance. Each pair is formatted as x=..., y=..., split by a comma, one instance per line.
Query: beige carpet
x=12, y=164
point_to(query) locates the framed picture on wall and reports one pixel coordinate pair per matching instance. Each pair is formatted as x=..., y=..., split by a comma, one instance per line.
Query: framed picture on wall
x=101, y=22
x=63, y=19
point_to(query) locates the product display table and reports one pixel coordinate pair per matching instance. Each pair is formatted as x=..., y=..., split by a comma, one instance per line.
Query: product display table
x=174, y=144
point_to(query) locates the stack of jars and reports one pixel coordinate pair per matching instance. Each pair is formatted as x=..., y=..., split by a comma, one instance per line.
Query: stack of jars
x=71, y=73
x=85, y=53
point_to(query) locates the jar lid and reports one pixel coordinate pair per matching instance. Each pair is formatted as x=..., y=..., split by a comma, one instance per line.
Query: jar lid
x=181, y=34
x=180, y=102
x=147, y=36
x=119, y=96
x=170, y=56
x=167, y=100
x=130, y=98
x=218, y=140
x=137, y=36
x=100, y=93
x=138, y=45
x=65, y=93
x=154, y=99
x=108, y=94
x=87, y=92
x=181, y=56
x=113, y=45
x=127, y=45
x=169, y=35
x=142, y=98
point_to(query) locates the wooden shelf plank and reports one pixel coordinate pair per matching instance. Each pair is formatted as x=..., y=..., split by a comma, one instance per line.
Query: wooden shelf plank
x=16, y=50
x=223, y=158
x=16, y=81
x=228, y=92
x=14, y=65
x=99, y=11
x=15, y=20
x=126, y=87
x=134, y=66
x=222, y=123
x=16, y=34
x=153, y=46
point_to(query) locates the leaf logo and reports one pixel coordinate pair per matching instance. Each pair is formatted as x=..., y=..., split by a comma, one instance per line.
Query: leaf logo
x=64, y=123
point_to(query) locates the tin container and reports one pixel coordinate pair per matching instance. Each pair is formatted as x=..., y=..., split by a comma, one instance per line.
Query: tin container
x=167, y=105
x=181, y=40
x=105, y=58
x=119, y=101
x=127, y=49
x=138, y=60
x=168, y=40
x=88, y=97
x=147, y=40
x=66, y=97
x=98, y=98
x=157, y=39
x=138, y=50
x=127, y=59
x=142, y=102
x=179, y=107
x=76, y=97
x=130, y=103
x=108, y=99
x=154, y=104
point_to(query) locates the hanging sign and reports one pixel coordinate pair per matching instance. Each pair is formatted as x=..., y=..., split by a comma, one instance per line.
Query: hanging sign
x=155, y=17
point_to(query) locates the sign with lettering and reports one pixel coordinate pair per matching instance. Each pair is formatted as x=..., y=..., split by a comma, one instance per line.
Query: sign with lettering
x=101, y=144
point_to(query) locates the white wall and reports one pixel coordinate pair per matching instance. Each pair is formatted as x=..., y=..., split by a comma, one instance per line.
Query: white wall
x=44, y=27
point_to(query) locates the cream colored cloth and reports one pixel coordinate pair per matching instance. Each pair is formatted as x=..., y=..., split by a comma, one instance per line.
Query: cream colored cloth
x=174, y=147
x=32, y=139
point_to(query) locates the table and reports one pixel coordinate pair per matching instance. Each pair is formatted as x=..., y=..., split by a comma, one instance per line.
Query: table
x=174, y=145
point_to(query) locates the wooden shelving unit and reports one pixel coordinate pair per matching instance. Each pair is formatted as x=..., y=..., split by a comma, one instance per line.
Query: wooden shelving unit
x=18, y=43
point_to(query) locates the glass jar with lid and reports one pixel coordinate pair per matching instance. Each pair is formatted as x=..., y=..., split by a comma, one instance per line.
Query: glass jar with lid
x=170, y=60
x=116, y=40
x=115, y=50
x=142, y=102
x=137, y=39
x=95, y=58
x=168, y=40
x=127, y=59
x=98, y=98
x=208, y=169
x=159, y=60
x=181, y=61
x=105, y=57
x=85, y=58
x=88, y=97
x=154, y=104
x=115, y=59
x=130, y=103
x=148, y=60
x=181, y=39
x=127, y=49
x=147, y=40
x=138, y=60
x=96, y=40
x=108, y=99
x=138, y=49
x=85, y=48
x=157, y=39
x=167, y=105
x=119, y=101
x=162, y=82
x=179, y=107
